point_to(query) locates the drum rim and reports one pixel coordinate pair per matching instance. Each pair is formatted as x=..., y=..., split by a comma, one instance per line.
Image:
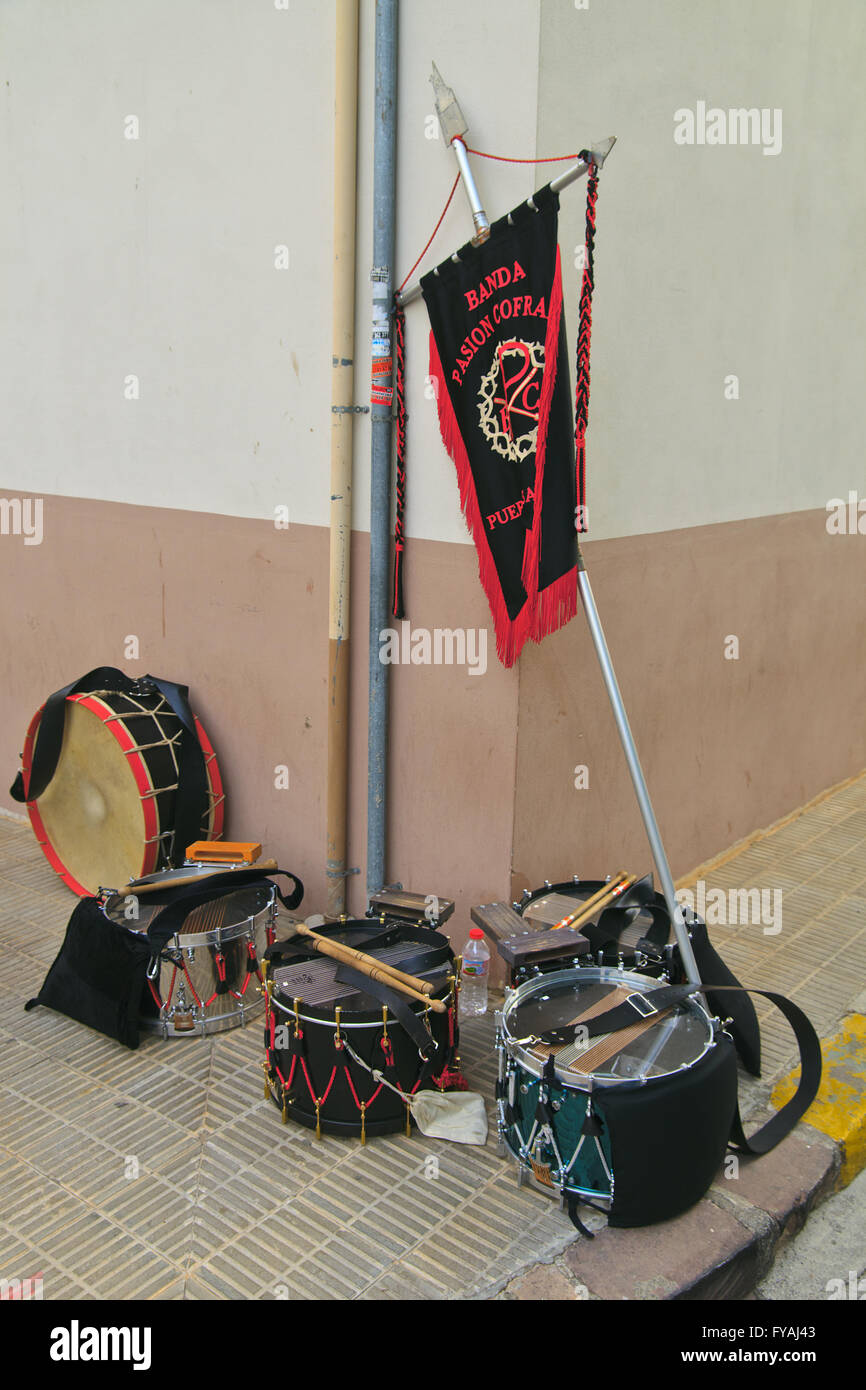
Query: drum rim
x=573, y=1080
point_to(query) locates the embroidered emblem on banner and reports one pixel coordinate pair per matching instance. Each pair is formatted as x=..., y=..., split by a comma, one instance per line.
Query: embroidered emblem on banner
x=508, y=398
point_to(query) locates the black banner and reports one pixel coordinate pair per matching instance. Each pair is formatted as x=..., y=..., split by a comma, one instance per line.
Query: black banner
x=498, y=355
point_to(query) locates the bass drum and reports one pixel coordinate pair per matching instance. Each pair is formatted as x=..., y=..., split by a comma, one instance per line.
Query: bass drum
x=107, y=815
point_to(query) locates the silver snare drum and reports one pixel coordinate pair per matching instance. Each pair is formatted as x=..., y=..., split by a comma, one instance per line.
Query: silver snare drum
x=553, y=1120
x=207, y=975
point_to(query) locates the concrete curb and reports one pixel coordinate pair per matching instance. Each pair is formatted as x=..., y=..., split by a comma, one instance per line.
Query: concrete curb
x=720, y=1249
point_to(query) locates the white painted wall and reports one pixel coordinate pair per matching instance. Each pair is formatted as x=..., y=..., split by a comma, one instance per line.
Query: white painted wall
x=714, y=260
x=155, y=257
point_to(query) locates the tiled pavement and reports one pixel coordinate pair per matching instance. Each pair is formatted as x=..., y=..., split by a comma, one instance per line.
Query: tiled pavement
x=817, y=957
x=166, y=1174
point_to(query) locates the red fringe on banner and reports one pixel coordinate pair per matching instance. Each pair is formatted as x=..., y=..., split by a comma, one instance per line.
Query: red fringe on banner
x=543, y=612
x=510, y=636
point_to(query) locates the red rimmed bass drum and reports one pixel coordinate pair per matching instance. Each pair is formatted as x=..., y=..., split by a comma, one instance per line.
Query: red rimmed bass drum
x=125, y=779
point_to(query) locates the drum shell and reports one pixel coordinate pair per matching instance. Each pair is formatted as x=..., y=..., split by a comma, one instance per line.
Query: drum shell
x=247, y=919
x=331, y=1072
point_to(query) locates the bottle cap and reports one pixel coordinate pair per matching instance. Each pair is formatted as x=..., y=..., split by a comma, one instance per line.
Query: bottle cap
x=476, y=933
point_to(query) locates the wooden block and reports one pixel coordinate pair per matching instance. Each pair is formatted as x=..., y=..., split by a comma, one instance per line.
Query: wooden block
x=224, y=852
x=519, y=943
x=411, y=907
x=536, y=946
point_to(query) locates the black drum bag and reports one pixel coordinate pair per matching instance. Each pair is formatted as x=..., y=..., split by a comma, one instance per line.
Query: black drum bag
x=668, y=1139
x=99, y=976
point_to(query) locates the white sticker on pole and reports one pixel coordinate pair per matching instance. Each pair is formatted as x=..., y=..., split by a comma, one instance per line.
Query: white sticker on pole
x=381, y=344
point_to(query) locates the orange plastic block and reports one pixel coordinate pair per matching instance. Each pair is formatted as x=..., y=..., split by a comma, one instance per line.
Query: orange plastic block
x=224, y=851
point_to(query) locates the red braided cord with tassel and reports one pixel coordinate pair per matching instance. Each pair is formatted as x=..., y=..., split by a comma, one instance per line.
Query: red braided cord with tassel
x=400, y=397
x=584, y=334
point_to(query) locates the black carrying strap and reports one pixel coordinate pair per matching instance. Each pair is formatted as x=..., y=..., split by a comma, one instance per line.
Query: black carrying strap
x=397, y=1003
x=171, y=918
x=642, y=1006
x=191, y=799
x=612, y=922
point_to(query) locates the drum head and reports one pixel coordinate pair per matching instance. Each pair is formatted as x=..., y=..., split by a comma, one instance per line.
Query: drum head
x=107, y=814
x=91, y=811
x=677, y=1039
x=221, y=919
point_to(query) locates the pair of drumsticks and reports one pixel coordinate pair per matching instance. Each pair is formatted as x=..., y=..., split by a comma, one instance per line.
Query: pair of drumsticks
x=410, y=985
x=619, y=884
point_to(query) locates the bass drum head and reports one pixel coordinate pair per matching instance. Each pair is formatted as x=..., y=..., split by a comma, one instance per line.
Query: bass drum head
x=90, y=816
x=676, y=1040
x=107, y=813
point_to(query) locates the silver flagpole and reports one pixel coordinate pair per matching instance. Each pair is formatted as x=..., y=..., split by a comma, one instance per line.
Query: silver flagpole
x=453, y=128
x=596, y=632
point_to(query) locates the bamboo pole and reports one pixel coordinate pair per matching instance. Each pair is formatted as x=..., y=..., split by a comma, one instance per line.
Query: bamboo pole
x=342, y=416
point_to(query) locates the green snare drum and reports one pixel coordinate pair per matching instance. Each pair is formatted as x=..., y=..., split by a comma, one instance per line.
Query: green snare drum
x=586, y=1116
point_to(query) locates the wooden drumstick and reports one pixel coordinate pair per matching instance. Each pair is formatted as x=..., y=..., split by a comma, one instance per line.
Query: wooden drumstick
x=602, y=898
x=138, y=892
x=596, y=897
x=368, y=965
x=351, y=954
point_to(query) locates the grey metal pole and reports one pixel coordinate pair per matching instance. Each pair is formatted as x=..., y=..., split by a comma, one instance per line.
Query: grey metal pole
x=384, y=177
x=637, y=777
x=480, y=220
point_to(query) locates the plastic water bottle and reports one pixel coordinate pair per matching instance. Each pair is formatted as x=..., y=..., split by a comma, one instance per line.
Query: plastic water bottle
x=476, y=968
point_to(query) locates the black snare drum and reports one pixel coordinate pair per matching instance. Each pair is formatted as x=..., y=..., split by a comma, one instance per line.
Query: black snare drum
x=633, y=933
x=636, y=933
x=341, y=1050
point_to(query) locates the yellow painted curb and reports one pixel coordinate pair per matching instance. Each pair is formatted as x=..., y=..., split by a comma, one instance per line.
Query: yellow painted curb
x=839, y=1109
